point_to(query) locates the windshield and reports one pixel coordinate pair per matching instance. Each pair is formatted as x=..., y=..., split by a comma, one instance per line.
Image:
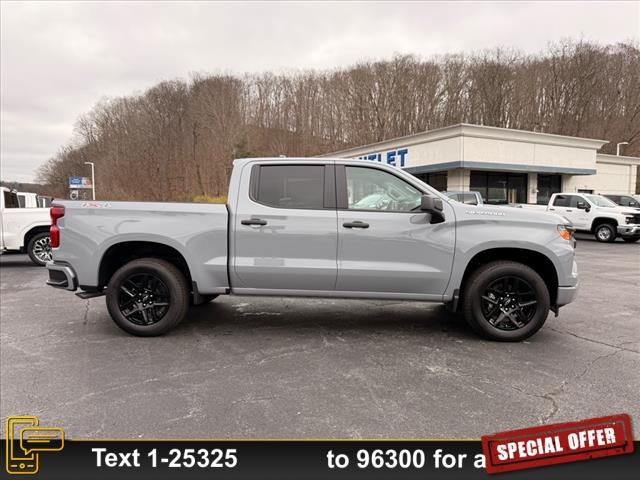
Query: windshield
x=600, y=201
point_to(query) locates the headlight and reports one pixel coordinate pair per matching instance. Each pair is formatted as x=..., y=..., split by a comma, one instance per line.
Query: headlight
x=565, y=231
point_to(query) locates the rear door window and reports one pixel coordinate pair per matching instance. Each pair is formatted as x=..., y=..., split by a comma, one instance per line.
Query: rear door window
x=291, y=186
x=10, y=200
x=562, y=200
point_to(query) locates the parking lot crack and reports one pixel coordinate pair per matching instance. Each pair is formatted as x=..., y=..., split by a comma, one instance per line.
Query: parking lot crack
x=597, y=359
x=548, y=396
x=594, y=341
x=551, y=395
x=85, y=317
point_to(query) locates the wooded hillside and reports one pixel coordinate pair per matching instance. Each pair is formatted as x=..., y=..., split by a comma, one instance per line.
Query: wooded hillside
x=177, y=140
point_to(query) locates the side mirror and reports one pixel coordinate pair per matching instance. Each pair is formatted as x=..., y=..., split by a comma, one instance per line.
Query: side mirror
x=433, y=206
x=582, y=206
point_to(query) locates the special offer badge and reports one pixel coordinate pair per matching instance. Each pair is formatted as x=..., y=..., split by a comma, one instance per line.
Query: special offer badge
x=558, y=443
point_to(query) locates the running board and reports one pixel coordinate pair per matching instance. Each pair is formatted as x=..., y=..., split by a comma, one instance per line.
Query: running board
x=86, y=295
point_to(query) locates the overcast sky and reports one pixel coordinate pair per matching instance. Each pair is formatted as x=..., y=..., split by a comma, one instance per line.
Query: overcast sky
x=59, y=59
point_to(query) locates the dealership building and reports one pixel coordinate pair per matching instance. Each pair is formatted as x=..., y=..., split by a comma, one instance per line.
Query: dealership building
x=505, y=165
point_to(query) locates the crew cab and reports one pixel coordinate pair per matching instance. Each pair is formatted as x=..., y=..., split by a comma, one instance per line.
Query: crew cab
x=598, y=215
x=302, y=227
x=24, y=229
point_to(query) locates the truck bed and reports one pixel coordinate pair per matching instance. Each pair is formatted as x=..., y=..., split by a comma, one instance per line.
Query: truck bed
x=197, y=231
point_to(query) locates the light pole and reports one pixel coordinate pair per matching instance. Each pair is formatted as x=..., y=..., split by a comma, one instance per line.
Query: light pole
x=618, y=147
x=93, y=179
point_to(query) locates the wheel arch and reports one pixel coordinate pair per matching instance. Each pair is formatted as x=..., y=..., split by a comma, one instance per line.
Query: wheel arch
x=600, y=220
x=32, y=232
x=537, y=261
x=121, y=253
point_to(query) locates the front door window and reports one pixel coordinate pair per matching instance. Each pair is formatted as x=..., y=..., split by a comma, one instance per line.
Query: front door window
x=372, y=189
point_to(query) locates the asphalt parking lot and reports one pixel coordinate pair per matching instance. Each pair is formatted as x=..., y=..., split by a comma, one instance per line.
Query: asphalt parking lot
x=303, y=368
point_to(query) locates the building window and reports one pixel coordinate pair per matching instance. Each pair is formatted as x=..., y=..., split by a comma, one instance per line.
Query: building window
x=437, y=180
x=500, y=188
x=547, y=186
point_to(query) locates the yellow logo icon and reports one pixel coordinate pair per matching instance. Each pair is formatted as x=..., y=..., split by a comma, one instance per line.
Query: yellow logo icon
x=25, y=440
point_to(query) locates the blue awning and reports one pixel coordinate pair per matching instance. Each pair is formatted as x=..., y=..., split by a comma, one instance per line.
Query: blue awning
x=500, y=167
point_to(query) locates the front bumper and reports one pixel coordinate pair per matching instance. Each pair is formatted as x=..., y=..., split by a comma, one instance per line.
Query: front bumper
x=566, y=295
x=629, y=230
x=62, y=275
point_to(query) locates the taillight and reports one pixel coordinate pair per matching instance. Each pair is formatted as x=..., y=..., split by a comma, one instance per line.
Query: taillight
x=56, y=212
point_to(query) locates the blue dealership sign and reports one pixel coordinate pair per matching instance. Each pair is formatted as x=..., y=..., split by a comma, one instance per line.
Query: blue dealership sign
x=397, y=158
x=79, y=182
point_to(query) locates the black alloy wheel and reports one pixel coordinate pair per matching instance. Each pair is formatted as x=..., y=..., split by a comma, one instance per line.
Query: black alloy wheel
x=509, y=303
x=143, y=299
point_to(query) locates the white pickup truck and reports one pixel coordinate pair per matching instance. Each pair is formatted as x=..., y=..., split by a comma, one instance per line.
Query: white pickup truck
x=24, y=229
x=596, y=214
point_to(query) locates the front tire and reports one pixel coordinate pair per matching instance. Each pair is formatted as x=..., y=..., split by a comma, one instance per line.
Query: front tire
x=605, y=233
x=147, y=297
x=39, y=249
x=505, y=301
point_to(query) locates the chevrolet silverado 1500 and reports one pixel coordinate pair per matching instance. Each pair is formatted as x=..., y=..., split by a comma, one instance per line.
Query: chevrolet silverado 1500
x=316, y=228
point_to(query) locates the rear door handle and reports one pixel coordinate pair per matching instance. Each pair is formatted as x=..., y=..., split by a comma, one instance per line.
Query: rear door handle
x=356, y=224
x=253, y=221
x=568, y=210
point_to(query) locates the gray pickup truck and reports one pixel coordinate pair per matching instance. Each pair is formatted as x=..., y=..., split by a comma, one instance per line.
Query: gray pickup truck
x=316, y=228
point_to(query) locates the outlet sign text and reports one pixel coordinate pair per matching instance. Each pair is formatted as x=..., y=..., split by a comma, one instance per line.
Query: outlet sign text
x=397, y=158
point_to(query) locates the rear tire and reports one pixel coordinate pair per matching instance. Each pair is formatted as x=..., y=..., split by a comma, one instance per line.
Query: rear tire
x=147, y=297
x=39, y=249
x=505, y=301
x=605, y=233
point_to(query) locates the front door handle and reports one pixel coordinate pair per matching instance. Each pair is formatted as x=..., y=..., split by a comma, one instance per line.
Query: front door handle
x=568, y=210
x=253, y=221
x=551, y=208
x=356, y=224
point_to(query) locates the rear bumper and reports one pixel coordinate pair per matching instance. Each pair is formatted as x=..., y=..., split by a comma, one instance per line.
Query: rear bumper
x=62, y=276
x=629, y=230
x=566, y=295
